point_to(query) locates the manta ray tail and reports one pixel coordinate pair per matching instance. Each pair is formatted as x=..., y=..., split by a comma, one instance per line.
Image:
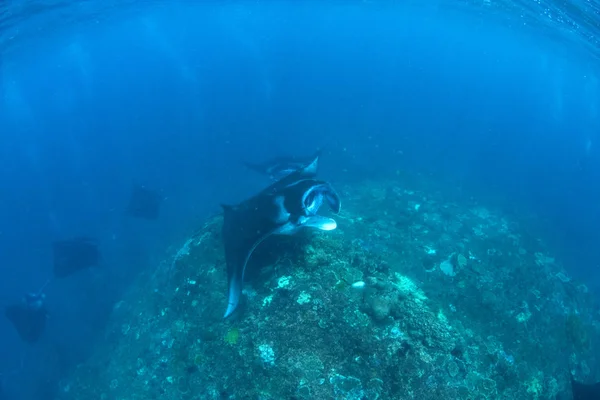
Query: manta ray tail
x=233, y=297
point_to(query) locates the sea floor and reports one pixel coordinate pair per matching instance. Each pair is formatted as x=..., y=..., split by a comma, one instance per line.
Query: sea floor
x=413, y=296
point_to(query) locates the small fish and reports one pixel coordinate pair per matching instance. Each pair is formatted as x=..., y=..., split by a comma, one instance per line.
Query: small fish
x=358, y=285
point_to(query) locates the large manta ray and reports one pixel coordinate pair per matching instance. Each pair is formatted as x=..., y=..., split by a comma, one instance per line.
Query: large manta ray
x=279, y=167
x=283, y=208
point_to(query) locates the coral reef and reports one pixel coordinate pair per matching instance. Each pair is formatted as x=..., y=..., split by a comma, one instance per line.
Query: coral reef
x=411, y=297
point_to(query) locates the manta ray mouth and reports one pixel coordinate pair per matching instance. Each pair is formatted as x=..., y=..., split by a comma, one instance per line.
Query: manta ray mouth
x=314, y=197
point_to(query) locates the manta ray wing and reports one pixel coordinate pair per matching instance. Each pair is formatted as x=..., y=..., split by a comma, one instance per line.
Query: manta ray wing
x=245, y=226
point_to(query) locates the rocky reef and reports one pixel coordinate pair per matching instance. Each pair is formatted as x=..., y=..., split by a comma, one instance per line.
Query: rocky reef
x=412, y=297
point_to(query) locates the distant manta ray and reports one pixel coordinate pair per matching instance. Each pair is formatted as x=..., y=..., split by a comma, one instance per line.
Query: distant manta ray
x=144, y=203
x=279, y=167
x=283, y=208
x=28, y=318
x=71, y=256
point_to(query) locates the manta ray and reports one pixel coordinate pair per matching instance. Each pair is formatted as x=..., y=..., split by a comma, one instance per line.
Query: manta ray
x=279, y=167
x=283, y=208
x=71, y=256
x=28, y=317
x=144, y=203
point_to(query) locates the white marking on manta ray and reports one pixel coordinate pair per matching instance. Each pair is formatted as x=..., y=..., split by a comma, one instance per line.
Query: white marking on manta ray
x=295, y=183
x=282, y=214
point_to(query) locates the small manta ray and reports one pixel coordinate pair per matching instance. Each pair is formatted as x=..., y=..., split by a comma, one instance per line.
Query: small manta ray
x=144, y=203
x=279, y=167
x=281, y=209
x=583, y=391
x=28, y=317
x=71, y=256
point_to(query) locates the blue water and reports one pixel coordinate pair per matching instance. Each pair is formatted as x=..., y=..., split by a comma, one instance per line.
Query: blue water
x=498, y=98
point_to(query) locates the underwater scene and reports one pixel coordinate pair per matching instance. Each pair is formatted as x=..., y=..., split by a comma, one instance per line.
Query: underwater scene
x=290, y=200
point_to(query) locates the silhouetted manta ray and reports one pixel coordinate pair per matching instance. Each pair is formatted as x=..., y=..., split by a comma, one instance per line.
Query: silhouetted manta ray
x=279, y=167
x=28, y=320
x=144, y=203
x=73, y=255
x=283, y=208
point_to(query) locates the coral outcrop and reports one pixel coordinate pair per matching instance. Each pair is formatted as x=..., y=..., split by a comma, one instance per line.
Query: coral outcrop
x=411, y=297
